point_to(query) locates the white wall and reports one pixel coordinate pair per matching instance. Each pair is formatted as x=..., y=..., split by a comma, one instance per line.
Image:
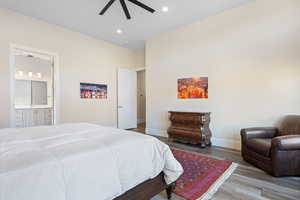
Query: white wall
x=82, y=58
x=252, y=57
x=140, y=58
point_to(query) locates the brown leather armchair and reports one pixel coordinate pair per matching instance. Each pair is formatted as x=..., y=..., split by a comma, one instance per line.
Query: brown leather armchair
x=275, y=150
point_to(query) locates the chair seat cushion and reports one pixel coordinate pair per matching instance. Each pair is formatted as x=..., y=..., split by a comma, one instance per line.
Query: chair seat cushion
x=261, y=146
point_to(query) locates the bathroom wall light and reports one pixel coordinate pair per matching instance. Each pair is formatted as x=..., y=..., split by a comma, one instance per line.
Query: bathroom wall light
x=20, y=73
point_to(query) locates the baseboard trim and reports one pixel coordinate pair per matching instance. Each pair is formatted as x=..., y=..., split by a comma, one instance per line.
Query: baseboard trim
x=226, y=143
x=220, y=142
x=156, y=132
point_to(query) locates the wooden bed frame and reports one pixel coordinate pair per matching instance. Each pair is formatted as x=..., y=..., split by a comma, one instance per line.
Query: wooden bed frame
x=149, y=189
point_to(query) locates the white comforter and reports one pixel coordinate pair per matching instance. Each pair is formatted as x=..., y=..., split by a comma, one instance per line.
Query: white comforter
x=79, y=162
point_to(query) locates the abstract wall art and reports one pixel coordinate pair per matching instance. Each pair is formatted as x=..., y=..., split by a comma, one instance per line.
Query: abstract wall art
x=93, y=91
x=193, y=88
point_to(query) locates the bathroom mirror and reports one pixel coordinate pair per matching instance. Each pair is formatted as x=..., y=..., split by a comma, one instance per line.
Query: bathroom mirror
x=30, y=93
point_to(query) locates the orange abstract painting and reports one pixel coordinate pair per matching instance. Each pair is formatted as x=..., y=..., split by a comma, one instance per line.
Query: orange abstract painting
x=193, y=88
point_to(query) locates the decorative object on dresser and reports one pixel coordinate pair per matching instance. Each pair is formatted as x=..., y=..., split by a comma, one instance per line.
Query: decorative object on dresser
x=190, y=127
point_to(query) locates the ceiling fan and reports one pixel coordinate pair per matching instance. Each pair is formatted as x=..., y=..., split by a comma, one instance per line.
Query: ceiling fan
x=124, y=6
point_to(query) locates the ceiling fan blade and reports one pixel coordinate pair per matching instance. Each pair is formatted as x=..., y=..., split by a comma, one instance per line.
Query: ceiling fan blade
x=142, y=5
x=124, y=6
x=106, y=7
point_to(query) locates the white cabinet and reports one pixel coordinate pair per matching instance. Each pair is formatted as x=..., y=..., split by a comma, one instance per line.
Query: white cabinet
x=31, y=104
x=33, y=117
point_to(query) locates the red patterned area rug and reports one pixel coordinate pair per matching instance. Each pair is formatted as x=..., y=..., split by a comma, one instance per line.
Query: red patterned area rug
x=202, y=175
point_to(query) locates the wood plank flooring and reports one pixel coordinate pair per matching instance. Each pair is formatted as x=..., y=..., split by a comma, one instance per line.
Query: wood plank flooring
x=247, y=182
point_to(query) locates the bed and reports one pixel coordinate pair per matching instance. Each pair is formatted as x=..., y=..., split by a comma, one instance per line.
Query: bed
x=83, y=161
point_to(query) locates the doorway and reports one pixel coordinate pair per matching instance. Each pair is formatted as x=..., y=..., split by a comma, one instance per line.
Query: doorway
x=132, y=100
x=33, y=90
x=141, y=100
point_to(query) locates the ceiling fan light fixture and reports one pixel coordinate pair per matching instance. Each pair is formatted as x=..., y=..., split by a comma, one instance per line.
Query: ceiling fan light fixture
x=124, y=7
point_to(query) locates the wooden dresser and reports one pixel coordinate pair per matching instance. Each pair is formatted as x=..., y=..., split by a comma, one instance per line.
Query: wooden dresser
x=190, y=127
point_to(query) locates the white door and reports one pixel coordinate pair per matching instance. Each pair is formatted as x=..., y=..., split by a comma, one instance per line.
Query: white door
x=127, y=99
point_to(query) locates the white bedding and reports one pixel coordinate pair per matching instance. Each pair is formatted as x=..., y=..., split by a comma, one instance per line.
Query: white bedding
x=79, y=162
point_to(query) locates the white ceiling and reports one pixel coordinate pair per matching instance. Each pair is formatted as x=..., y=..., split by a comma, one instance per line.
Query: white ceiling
x=82, y=16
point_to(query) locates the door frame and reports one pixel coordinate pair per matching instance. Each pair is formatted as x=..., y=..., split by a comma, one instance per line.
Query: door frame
x=56, y=82
x=140, y=69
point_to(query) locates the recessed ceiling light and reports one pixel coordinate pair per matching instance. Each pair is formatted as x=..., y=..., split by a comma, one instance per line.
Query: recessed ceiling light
x=30, y=74
x=119, y=31
x=165, y=9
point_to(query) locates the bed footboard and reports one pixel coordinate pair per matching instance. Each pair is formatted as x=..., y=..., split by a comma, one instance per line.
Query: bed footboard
x=148, y=189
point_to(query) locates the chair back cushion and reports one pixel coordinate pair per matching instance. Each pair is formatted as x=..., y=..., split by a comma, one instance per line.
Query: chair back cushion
x=290, y=126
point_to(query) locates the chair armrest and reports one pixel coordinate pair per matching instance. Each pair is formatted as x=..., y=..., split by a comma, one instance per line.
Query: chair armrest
x=260, y=132
x=288, y=142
